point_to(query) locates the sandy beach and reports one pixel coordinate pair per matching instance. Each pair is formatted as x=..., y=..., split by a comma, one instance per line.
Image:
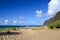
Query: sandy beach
x=28, y=34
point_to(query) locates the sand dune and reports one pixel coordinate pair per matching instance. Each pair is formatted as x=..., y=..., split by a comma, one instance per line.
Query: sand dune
x=28, y=34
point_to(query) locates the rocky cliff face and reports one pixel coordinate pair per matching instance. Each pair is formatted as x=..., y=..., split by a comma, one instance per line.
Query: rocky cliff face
x=53, y=19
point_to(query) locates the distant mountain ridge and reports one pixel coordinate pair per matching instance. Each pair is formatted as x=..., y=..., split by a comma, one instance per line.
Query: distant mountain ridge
x=53, y=19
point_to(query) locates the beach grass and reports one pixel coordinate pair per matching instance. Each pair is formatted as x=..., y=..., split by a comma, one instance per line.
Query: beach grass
x=7, y=29
x=37, y=28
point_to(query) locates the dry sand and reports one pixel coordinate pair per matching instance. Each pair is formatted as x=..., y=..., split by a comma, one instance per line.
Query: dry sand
x=28, y=34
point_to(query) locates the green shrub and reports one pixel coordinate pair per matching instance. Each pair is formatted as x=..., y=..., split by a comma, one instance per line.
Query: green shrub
x=55, y=25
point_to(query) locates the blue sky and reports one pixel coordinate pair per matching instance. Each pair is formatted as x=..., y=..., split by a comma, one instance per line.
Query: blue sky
x=23, y=12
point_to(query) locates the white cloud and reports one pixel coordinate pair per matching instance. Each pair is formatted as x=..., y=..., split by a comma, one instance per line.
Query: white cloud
x=53, y=7
x=22, y=18
x=0, y=21
x=6, y=21
x=39, y=13
x=14, y=22
x=20, y=22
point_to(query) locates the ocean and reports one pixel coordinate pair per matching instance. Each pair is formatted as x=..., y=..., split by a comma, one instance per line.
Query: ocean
x=18, y=26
